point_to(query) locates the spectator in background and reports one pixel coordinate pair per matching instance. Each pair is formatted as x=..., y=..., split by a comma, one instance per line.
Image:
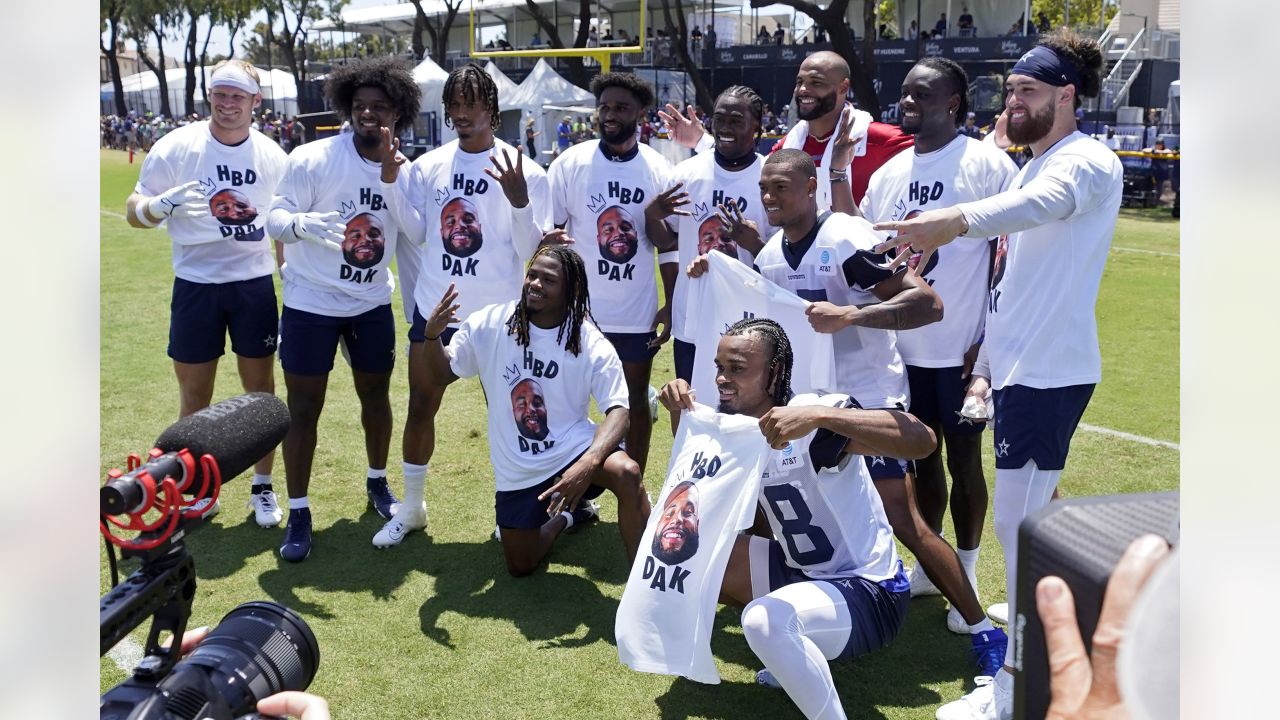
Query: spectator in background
x=536, y=40
x=624, y=36
x=779, y=35
x=711, y=36
x=1161, y=168
x=695, y=40
x=564, y=135
x=1111, y=140
x=607, y=37
x=1153, y=128
x=762, y=37
x=593, y=38
x=297, y=132
x=529, y=134
x=1042, y=21
x=940, y=27
x=1018, y=28
x=970, y=127
x=913, y=31
x=965, y=24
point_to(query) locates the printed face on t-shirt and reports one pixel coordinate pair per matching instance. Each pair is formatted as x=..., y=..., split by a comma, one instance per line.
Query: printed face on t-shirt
x=364, y=241
x=460, y=228
x=231, y=207
x=616, y=234
x=676, y=537
x=529, y=409
x=713, y=236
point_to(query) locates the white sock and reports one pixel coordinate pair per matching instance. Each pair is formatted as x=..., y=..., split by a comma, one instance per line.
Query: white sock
x=984, y=626
x=969, y=559
x=299, y=503
x=415, y=485
x=260, y=479
x=568, y=518
x=375, y=474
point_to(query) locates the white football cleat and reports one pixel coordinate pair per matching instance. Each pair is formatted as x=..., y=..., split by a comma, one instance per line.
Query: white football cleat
x=405, y=522
x=921, y=584
x=992, y=699
x=266, y=511
x=999, y=613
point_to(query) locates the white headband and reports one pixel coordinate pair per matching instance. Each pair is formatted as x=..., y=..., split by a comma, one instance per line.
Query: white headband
x=235, y=76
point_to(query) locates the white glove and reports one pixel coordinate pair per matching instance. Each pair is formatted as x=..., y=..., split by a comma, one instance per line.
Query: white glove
x=183, y=201
x=324, y=229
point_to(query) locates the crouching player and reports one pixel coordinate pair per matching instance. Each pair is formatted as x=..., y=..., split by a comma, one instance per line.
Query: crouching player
x=549, y=459
x=828, y=585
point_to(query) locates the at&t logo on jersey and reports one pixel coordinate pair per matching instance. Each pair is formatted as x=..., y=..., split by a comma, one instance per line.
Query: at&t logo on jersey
x=824, y=262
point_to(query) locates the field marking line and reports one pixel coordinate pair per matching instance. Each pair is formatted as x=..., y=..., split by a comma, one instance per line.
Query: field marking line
x=1130, y=436
x=109, y=213
x=1146, y=252
x=126, y=654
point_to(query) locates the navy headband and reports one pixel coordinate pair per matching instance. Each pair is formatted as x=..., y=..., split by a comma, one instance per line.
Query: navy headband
x=1045, y=64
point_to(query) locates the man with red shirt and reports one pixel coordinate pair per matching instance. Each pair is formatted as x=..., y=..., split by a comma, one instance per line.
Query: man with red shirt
x=861, y=147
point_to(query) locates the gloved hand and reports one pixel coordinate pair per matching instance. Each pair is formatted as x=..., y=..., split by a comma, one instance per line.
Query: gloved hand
x=324, y=229
x=182, y=201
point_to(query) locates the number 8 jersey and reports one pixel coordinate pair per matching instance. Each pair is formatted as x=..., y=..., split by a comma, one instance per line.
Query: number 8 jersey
x=823, y=506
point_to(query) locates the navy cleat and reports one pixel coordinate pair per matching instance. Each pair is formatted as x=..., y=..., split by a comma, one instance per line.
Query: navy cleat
x=297, y=536
x=988, y=650
x=588, y=512
x=381, y=499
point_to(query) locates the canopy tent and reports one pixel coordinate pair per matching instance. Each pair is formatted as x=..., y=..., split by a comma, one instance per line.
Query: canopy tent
x=511, y=129
x=542, y=90
x=142, y=92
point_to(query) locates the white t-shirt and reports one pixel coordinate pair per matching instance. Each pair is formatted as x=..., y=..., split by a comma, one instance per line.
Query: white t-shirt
x=470, y=234
x=823, y=506
x=231, y=244
x=1059, y=216
x=600, y=200
x=730, y=291
x=835, y=263
x=325, y=176
x=708, y=186
x=911, y=183
x=538, y=395
x=664, y=621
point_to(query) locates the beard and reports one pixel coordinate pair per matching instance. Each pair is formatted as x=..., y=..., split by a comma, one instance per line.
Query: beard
x=823, y=106
x=368, y=142
x=625, y=132
x=1036, y=125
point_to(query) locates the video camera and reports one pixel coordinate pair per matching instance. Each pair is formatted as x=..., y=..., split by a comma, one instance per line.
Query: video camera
x=260, y=648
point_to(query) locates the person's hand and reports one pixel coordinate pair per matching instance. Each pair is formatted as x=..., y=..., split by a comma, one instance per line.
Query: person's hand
x=292, y=703
x=567, y=490
x=977, y=399
x=186, y=201
x=558, y=236
x=827, y=317
x=444, y=313
x=698, y=267
x=668, y=203
x=676, y=396
x=323, y=229
x=845, y=141
x=742, y=231
x=782, y=424
x=970, y=357
x=1083, y=687
x=391, y=157
x=922, y=234
x=685, y=130
x=663, y=318
x=511, y=178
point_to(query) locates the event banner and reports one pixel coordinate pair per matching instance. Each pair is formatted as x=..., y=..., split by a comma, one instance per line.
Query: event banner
x=993, y=48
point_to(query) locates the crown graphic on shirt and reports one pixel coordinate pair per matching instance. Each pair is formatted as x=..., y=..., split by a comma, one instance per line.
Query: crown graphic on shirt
x=596, y=203
x=348, y=210
x=442, y=196
x=511, y=374
x=700, y=211
x=207, y=187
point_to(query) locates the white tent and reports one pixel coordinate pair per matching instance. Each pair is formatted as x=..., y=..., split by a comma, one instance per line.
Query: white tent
x=511, y=129
x=142, y=91
x=430, y=78
x=544, y=87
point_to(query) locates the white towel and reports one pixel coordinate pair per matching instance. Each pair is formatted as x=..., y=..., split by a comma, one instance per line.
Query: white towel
x=797, y=135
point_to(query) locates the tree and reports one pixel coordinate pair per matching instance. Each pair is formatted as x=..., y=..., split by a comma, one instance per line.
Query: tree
x=832, y=19
x=679, y=32
x=146, y=20
x=577, y=70
x=111, y=20
x=1076, y=13
x=195, y=10
x=296, y=17
x=439, y=32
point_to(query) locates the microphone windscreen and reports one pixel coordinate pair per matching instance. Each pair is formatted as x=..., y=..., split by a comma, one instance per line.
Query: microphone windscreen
x=237, y=432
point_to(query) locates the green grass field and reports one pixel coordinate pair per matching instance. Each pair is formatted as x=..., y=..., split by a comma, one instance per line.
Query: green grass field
x=436, y=629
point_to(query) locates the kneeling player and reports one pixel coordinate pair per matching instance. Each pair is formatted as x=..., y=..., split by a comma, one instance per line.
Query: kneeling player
x=548, y=458
x=829, y=585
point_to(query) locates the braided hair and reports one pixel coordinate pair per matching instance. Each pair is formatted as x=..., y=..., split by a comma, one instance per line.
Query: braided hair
x=475, y=84
x=781, y=359
x=577, y=300
x=958, y=78
x=752, y=98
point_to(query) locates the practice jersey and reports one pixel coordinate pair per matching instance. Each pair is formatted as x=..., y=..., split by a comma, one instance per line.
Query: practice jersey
x=911, y=183
x=538, y=395
x=823, y=506
x=1041, y=329
x=601, y=203
x=231, y=243
x=470, y=234
x=708, y=186
x=835, y=263
x=730, y=291
x=329, y=175
x=666, y=615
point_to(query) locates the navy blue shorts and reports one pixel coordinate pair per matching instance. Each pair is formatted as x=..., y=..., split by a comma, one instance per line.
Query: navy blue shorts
x=937, y=394
x=633, y=347
x=1036, y=424
x=876, y=608
x=308, y=341
x=201, y=315
x=522, y=510
x=684, y=354
x=418, y=331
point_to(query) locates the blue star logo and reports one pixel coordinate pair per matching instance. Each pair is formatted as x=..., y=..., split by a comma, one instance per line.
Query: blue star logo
x=877, y=460
x=1002, y=448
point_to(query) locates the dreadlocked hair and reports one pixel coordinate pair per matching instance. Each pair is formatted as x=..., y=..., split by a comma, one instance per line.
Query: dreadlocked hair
x=576, y=298
x=780, y=360
x=958, y=78
x=389, y=74
x=476, y=85
x=751, y=97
